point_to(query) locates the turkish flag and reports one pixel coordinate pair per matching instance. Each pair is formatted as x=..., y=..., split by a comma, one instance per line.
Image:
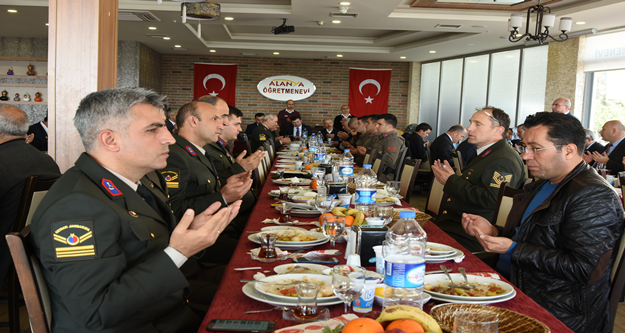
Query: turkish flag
x=215, y=80
x=368, y=91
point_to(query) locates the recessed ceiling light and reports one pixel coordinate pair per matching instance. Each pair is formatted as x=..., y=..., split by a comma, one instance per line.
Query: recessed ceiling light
x=479, y=26
x=213, y=51
x=345, y=3
x=276, y=53
x=402, y=57
x=580, y=22
x=432, y=51
x=339, y=56
x=470, y=44
x=336, y=21
x=177, y=46
x=152, y=28
x=11, y=10
x=48, y=24
x=228, y=18
x=166, y=38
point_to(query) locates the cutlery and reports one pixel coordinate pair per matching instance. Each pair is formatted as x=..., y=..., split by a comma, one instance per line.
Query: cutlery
x=273, y=283
x=436, y=272
x=294, y=268
x=276, y=308
x=465, y=284
x=246, y=268
x=293, y=254
x=451, y=282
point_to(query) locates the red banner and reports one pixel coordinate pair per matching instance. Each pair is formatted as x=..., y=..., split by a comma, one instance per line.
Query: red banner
x=215, y=80
x=368, y=91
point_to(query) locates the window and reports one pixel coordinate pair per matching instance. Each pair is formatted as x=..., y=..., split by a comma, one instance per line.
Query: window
x=608, y=98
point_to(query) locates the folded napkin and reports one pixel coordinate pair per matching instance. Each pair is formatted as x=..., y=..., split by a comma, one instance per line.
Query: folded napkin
x=317, y=327
x=280, y=253
x=318, y=253
x=459, y=259
x=276, y=221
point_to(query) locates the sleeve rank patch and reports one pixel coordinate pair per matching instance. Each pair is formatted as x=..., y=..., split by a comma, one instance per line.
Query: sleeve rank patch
x=171, y=177
x=500, y=177
x=262, y=137
x=73, y=240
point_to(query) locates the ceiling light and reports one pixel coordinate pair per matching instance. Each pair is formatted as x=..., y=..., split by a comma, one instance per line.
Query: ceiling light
x=580, y=22
x=48, y=24
x=228, y=18
x=546, y=19
x=339, y=56
x=402, y=57
x=213, y=51
x=276, y=53
x=432, y=51
x=470, y=44
x=336, y=21
x=479, y=26
x=345, y=3
x=152, y=28
x=177, y=46
x=12, y=11
x=166, y=38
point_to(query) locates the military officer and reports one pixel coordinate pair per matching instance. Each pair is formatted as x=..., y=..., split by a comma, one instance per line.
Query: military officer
x=263, y=133
x=475, y=190
x=390, y=143
x=369, y=137
x=110, y=248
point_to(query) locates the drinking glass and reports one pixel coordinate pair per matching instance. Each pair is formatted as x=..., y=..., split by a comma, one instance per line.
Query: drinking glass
x=285, y=213
x=319, y=173
x=280, y=173
x=347, y=283
x=602, y=170
x=333, y=227
x=306, y=300
x=284, y=193
x=323, y=202
x=475, y=322
x=267, y=246
x=351, y=185
x=392, y=187
x=385, y=212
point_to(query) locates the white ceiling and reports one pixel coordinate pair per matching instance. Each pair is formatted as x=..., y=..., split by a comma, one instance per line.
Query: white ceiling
x=384, y=30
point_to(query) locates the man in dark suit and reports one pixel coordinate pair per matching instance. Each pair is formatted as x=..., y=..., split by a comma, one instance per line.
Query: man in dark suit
x=591, y=144
x=40, y=133
x=442, y=148
x=296, y=129
x=417, y=145
x=562, y=105
x=124, y=276
x=259, y=117
x=18, y=161
x=519, y=131
x=466, y=150
x=612, y=156
x=171, y=120
x=330, y=131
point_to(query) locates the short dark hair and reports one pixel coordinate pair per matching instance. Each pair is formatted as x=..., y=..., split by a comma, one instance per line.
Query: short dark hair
x=423, y=127
x=501, y=117
x=186, y=110
x=260, y=114
x=295, y=117
x=232, y=111
x=456, y=128
x=373, y=117
x=212, y=100
x=389, y=119
x=561, y=129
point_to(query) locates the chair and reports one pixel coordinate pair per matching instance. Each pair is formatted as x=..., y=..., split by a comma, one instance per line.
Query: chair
x=504, y=203
x=247, y=142
x=617, y=277
x=399, y=164
x=257, y=183
x=378, y=162
x=367, y=157
x=271, y=148
x=408, y=175
x=31, y=279
x=240, y=145
x=436, y=199
x=374, y=154
x=458, y=163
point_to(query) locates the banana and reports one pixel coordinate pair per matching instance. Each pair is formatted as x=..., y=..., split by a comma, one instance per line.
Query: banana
x=339, y=211
x=396, y=312
x=358, y=218
x=352, y=211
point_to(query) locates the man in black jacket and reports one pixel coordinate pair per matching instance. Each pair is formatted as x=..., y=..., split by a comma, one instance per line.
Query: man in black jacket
x=563, y=233
x=443, y=147
x=329, y=132
x=417, y=145
x=612, y=156
x=40, y=134
x=296, y=129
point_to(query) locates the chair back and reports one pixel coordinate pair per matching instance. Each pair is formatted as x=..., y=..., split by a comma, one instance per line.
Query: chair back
x=240, y=145
x=617, y=277
x=457, y=158
x=399, y=164
x=427, y=166
x=248, y=144
x=33, y=193
x=271, y=148
x=436, y=198
x=378, y=162
x=374, y=154
x=460, y=161
x=367, y=157
x=504, y=203
x=31, y=279
x=408, y=177
x=257, y=184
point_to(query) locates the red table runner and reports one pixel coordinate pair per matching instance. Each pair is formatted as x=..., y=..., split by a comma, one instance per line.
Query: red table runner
x=230, y=302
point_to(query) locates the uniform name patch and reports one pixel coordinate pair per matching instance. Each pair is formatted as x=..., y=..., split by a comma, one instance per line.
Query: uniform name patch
x=111, y=188
x=500, y=177
x=190, y=150
x=392, y=148
x=73, y=240
x=171, y=177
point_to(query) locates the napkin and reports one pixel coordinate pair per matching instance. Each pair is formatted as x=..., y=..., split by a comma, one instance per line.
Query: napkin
x=317, y=327
x=318, y=253
x=280, y=253
x=276, y=221
x=488, y=275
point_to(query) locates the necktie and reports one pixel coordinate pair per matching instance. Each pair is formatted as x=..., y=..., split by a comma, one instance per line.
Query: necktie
x=148, y=197
x=607, y=149
x=297, y=132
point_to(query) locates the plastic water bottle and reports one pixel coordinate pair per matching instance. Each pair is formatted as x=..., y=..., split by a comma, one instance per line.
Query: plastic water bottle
x=365, y=189
x=346, y=166
x=320, y=153
x=404, y=257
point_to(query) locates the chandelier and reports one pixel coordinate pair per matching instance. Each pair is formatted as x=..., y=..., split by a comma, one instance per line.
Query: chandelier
x=544, y=20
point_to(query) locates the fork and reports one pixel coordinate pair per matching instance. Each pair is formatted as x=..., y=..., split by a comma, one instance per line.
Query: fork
x=276, y=308
x=451, y=282
x=465, y=284
x=294, y=268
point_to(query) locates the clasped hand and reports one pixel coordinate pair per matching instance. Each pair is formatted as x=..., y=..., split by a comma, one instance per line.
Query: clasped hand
x=486, y=233
x=442, y=171
x=251, y=162
x=237, y=186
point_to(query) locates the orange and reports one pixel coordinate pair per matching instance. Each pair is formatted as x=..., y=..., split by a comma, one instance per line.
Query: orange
x=308, y=167
x=406, y=325
x=349, y=220
x=324, y=215
x=313, y=184
x=363, y=325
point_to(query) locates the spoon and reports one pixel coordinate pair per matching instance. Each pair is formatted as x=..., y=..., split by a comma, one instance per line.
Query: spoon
x=276, y=308
x=465, y=284
x=296, y=267
x=451, y=282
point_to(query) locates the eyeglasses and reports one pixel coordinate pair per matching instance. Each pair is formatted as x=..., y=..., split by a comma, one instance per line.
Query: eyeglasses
x=495, y=119
x=535, y=150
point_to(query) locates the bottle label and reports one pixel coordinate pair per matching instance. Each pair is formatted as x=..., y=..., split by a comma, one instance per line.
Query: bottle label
x=313, y=149
x=320, y=157
x=346, y=170
x=404, y=275
x=365, y=196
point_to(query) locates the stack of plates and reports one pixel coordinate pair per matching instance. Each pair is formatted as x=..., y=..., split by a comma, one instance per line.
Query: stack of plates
x=479, y=281
x=438, y=253
x=259, y=291
x=288, y=181
x=321, y=239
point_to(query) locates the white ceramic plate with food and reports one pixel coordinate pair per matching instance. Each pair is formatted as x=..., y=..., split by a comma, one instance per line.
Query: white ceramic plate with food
x=465, y=301
x=293, y=171
x=439, y=249
x=283, y=286
x=286, y=166
x=305, y=213
x=483, y=285
x=300, y=268
x=285, y=237
x=439, y=259
x=282, y=228
x=289, y=181
x=250, y=291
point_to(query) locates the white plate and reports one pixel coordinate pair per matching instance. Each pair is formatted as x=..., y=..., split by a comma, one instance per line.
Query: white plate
x=293, y=171
x=305, y=213
x=465, y=301
x=293, y=245
x=286, y=278
x=380, y=300
x=314, y=268
x=320, y=238
x=250, y=291
x=438, y=260
x=287, y=181
x=282, y=228
x=286, y=166
x=437, y=248
x=436, y=279
x=303, y=198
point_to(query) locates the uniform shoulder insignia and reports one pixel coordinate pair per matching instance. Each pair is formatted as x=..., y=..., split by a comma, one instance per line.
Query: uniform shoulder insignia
x=487, y=153
x=500, y=177
x=262, y=137
x=73, y=240
x=387, y=134
x=392, y=148
x=110, y=187
x=190, y=150
x=171, y=177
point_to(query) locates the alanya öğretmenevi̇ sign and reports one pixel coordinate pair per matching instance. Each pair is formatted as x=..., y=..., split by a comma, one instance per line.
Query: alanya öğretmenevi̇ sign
x=286, y=87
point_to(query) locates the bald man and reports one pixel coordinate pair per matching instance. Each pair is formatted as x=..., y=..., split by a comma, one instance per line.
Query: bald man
x=612, y=156
x=562, y=105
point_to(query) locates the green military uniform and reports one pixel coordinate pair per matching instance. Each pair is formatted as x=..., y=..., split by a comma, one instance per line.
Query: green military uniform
x=391, y=145
x=226, y=166
x=101, y=249
x=475, y=190
x=193, y=182
x=261, y=135
x=364, y=140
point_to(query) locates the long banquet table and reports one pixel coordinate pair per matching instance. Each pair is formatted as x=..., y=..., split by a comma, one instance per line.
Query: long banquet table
x=231, y=303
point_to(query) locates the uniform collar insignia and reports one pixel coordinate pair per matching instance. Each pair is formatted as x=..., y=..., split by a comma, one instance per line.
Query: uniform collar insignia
x=222, y=142
x=487, y=153
x=110, y=187
x=387, y=134
x=190, y=150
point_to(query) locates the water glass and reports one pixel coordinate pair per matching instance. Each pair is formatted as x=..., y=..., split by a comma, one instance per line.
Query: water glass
x=323, y=203
x=392, y=187
x=307, y=300
x=347, y=283
x=385, y=212
x=333, y=227
x=319, y=173
x=475, y=322
x=367, y=210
